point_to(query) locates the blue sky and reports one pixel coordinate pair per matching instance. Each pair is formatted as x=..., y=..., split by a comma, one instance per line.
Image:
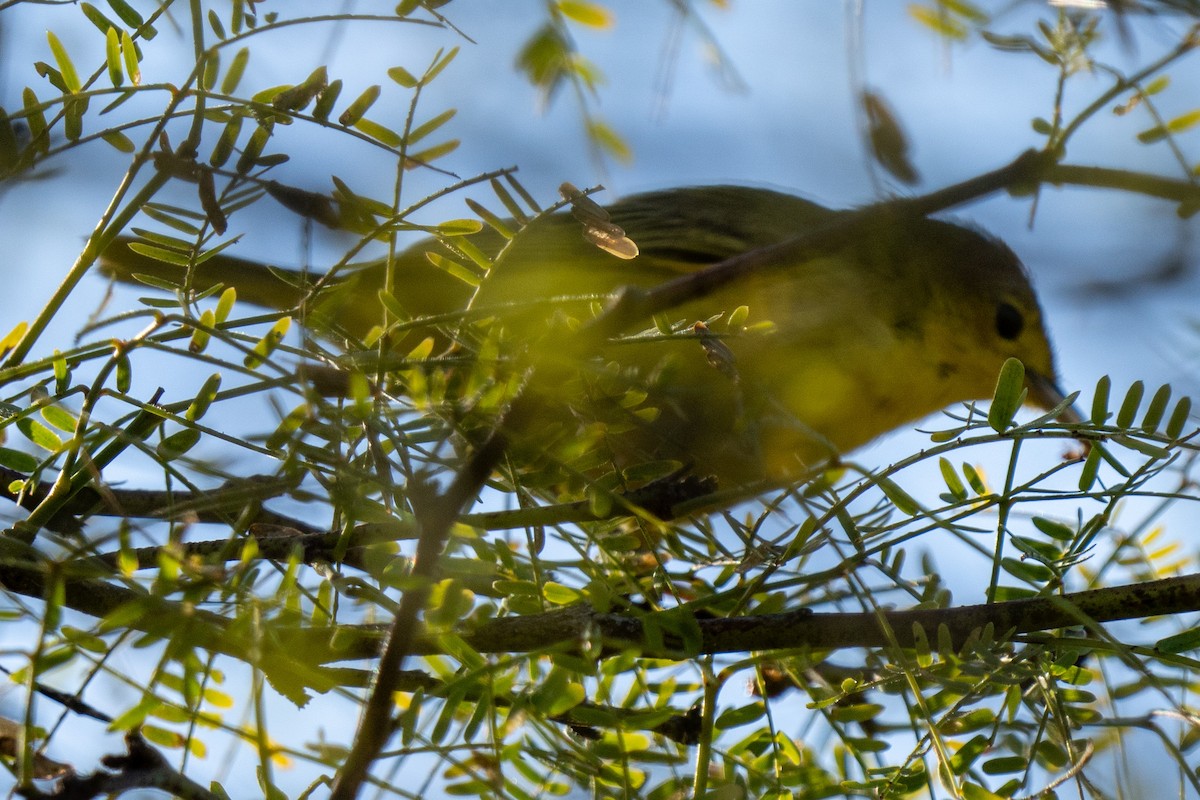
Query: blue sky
x=793, y=127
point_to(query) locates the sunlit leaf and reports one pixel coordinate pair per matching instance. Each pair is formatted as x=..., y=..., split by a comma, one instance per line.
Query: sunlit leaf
x=593, y=15
x=66, y=69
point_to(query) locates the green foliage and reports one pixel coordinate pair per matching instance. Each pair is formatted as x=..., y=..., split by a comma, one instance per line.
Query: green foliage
x=570, y=639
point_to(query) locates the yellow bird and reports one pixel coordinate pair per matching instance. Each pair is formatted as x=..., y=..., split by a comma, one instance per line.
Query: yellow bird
x=906, y=320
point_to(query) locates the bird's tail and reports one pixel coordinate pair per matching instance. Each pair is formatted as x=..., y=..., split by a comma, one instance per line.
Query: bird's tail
x=348, y=304
x=256, y=283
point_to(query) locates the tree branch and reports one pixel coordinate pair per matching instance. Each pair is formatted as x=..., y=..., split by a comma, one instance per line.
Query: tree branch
x=804, y=629
x=142, y=767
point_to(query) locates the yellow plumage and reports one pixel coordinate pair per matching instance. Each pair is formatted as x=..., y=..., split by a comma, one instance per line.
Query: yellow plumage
x=906, y=320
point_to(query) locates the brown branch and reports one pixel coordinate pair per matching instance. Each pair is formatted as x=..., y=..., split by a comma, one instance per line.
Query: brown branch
x=1181, y=191
x=274, y=543
x=220, y=505
x=140, y=768
x=570, y=627
x=804, y=629
x=277, y=542
x=290, y=670
x=788, y=630
x=436, y=515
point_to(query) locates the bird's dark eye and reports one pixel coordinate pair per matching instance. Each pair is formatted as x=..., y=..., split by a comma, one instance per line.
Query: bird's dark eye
x=1009, y=321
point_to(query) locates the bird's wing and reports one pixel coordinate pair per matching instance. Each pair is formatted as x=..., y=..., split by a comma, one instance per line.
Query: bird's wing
x=677, y=231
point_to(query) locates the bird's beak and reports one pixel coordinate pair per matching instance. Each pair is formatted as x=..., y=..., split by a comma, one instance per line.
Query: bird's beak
x=1044, y=392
